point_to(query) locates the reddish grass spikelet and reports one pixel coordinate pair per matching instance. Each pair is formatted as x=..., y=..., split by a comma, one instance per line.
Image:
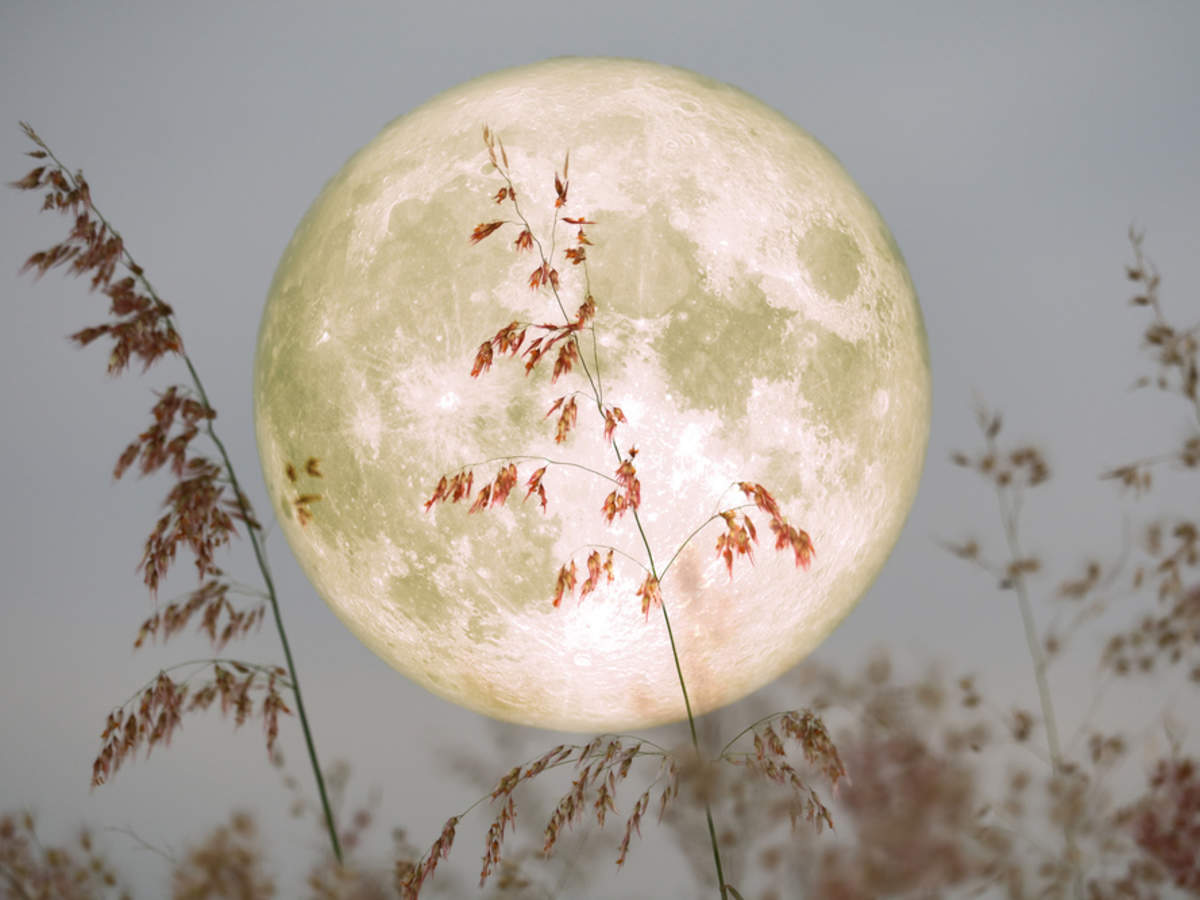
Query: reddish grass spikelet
x=534, y=486
x=483, y=359
x=614, y=505
x=568, y=354
x=509, y=338
x=629, y=493
x=761, y=497
x=199, y=518
x=612, y=415
x=650, y=594
x=489, y=140
x=156, y=446
x=533, y=353
x=580, y=237
x=807, y=730
x=272, y=705
x=483, y=229
x=561, y=184
x=543, y=275
x=564, y=583
x=161, y=705
x=409, y=882
x=633, y=823
x=495, y=838
x=738, y=539
x=585, y=313
x=787, y=536
x=506, y=480
x=481, y=499
x=566, y=419
x=303, y=506
x=595, y=568
x=210, y=599
x=769, y=760
x=453, y=489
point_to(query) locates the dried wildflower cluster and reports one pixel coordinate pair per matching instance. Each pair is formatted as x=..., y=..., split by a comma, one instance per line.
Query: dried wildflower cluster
x=205, y=502
x=1170, y=548
x=201, y=516
x=1169, y=634
x=32, y=871
x=141, y=326
x=229, y=863
x=510, y=340
x=561, y=341
x=1022, y=466
x=1155, y=836
x=304, y=500
x=770, y=760
x=926, y=815
x=1168, y=555
x=161, y=705
x=600, y=766
x=1175, y=349
x=1011, y=472
x=220, y=620
x=1167, y=822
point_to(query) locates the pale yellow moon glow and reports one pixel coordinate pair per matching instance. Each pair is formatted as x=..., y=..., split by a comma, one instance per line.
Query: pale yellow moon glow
x=755, y=322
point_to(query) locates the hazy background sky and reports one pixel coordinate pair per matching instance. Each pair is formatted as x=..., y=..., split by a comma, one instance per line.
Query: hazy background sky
x=1009, y=146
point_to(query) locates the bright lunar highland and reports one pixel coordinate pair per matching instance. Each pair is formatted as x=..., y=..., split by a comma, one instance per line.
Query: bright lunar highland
x=754, y=322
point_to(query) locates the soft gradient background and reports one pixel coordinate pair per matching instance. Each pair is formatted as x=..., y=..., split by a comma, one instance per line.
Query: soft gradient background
x=1008, y=146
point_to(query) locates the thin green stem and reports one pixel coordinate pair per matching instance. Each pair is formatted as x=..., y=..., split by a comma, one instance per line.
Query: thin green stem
x=598, y=397
x=243, y=507
x=1009, y=514
x=687, y=703
x=1038, y=657
x=260, y=557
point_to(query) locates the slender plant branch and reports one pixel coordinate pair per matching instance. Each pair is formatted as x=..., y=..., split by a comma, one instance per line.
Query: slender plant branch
x=1009, y=500
x=597, y=395
x=243, y=504
x=1037, y=655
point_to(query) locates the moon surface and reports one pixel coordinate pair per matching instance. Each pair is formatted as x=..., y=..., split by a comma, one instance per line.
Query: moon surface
x=754, y=321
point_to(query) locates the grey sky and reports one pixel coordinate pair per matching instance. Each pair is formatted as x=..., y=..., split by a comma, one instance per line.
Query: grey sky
x=1008, y=146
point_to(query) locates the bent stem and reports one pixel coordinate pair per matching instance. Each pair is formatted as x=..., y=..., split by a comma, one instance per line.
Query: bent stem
x=598, y=397
x=272, y=596
x=1008, y=515
x=243, y=504
x=687, y=703
x=712, y=828
x=1009, y=512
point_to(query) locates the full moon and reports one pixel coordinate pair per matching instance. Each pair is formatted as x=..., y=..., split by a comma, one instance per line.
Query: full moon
x=754, y=322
